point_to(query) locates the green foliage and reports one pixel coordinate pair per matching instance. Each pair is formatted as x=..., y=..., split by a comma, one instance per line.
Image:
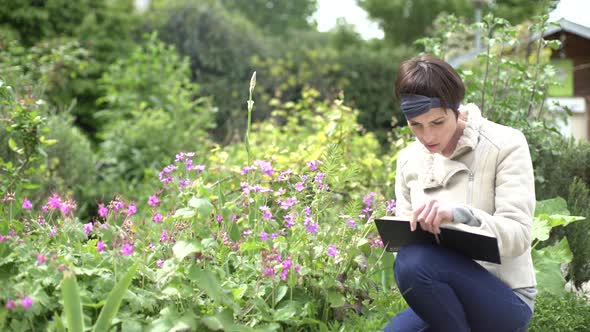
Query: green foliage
x=403, y=21
x=219, y=45
x=560, y=313
x=275, y=16
x=152, y=111
x=549, y=214
x=51, y=31
x=579, y=233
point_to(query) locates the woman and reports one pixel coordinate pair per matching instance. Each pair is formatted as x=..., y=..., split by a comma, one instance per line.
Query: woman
x=461, y=169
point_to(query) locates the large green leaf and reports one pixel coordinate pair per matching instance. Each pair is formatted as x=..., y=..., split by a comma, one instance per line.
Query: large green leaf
x=541, y=229
x=286, y=311
x=555, y=205
x=111, y=307
x=224, y=321
x=208, y=282
x=547, y=262
x=336, y=299
x=72, y=303
x=203, y=205
x=184, y=213
x=184, y=248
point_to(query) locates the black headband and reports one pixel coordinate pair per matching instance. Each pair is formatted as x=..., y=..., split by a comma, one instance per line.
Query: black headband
x=414, y=105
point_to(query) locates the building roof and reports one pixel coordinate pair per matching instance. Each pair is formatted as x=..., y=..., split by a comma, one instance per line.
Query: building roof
x=572, y=16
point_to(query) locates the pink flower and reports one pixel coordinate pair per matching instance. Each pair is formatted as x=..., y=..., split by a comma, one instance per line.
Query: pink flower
x=287, y=263
x=27, y=302
x=219, y=218
x=88, y=228
x=268, y=271
x=313, y=165
x=299, y=186
x=52, y=232
x=40, y=259
x=131, y=209
x=159, y=263
x=118, y=205
x=332, y=250
x=10, y=304
x=54, y=202
x=267, y=215
x=265, y=166
x=127, y=249
x=263, y=236
x=27, y=205
x=390, y=209
x=100, y=246
x=163, y=237
x=157, y=218
x=153, y=201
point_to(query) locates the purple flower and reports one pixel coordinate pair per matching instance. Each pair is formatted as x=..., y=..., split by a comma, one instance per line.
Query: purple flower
x=268, y=271
x=159, y=263
x=40, y=259
x=312, y=228
x=153, y=201
x=247, y=232
x=313, y=165
x=219, y=218
x=157, y=218
x=27, y=205
x=247, y=169
x=54, y=202
x=307, y=211
x=289, y=220
x=27, y=302
x=65, y=208
x=100, y=246
x=287, y=263
x=267, y=215
x=377, y=243
x=127, y=249
x=368, y=199
x=131, y=209
x=118, y=205
x=332, y=250
x=88, y=228
x=265, y=166
x=200, y=168
x=263, y=236
x=390, y=209
x=283, y=176
x=10, y=304
x=103, y=211
x=273, y=236
x=351, y=223
x=299, y=186
x=163, y=237
x=52, y=232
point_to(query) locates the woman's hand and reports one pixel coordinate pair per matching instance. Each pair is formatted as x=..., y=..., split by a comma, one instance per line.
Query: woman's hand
x=430, y=215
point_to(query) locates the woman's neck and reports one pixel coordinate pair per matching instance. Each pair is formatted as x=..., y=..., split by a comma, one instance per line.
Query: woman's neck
x=448, y=151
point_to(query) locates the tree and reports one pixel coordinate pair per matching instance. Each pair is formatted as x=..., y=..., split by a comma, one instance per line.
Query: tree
x=404, y=21
x=275, y=16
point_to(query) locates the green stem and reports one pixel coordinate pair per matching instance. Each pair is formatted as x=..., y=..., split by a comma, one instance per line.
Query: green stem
x=538, y=55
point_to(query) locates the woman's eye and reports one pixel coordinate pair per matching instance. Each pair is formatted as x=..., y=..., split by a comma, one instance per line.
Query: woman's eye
x=437, y=123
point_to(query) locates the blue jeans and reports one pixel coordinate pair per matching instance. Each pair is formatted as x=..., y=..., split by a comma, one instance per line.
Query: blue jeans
x=449, y=292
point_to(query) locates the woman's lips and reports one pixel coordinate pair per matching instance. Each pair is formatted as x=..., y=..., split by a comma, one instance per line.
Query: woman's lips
x=431, y=146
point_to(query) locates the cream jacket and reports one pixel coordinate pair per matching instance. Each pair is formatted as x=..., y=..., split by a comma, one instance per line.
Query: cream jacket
x=491, y=174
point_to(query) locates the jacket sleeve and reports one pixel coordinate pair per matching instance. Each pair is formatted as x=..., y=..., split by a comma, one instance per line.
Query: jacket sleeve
x=402, y=191
x=514, y=199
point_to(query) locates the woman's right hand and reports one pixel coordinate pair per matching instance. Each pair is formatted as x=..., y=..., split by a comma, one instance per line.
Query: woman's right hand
x=430, y=215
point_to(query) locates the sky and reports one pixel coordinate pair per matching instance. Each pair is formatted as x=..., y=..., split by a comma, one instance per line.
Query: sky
x=330, y=10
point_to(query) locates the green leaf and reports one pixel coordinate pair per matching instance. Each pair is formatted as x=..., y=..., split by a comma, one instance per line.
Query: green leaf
x=111, y=307
x=12, y=145
x=555, y=205
x=547, y=263
x=72, y=303
x=184, y=213
x=184, y=248
x=223, y=321
x=286, y=311
x=203, y=205
x=541, y=229
x=239, y=292
x=208, y=282
x=234, y=231
x=336, y=299
x=281, y=292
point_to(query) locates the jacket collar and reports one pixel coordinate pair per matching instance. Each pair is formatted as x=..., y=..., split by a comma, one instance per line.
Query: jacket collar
x=437, y=169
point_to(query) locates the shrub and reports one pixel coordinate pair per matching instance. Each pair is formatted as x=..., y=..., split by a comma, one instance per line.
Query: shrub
x=560, y=314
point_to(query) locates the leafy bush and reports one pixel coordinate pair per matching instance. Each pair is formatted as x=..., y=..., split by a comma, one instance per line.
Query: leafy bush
x=560, y=313
x=152, y=110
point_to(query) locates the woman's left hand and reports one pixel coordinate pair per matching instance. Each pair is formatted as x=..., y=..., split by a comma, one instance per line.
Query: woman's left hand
x=430, y=215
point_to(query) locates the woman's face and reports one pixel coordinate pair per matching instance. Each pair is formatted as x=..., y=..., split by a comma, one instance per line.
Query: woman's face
x=436, y=130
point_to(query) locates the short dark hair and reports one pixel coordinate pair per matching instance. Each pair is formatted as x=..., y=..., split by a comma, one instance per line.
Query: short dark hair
x=430, y=76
